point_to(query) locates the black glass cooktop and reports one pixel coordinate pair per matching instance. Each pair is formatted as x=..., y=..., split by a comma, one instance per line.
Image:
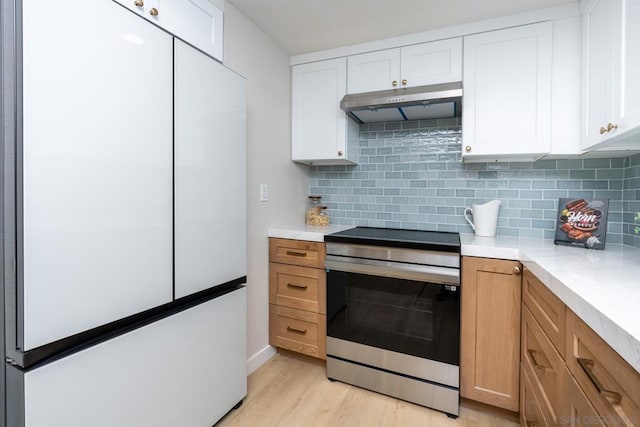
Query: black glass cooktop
x=393, y=237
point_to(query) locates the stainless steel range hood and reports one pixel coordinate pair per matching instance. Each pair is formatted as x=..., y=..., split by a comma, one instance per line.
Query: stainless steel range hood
x=415, y=103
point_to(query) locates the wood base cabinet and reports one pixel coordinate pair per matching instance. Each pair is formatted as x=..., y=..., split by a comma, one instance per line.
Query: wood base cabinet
x=609, y=383
x=543, y=330
x=568, y=371
x=530, y=409
x=490, y=331
x=297, y=296
x=577, y=410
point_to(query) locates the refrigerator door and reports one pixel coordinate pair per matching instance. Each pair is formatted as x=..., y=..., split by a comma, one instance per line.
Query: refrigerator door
x=95, y=180
x=210, y=172
x=185, y=370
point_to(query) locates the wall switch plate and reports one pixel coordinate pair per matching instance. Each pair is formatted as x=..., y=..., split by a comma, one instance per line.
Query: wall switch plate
x=264, y=192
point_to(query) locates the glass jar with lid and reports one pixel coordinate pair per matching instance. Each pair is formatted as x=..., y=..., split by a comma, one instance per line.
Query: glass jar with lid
x=316, y=212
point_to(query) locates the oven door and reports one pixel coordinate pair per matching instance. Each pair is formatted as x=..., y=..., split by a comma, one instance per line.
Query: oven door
x=405, y=308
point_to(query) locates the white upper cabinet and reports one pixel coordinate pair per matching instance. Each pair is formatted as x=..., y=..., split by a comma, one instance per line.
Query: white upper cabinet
x=627, y=109
x=409, y=66
x=372, y=71
x=598, y=68
x=507, y=93
x=197, y=22
x=431, y=63
x=566, y=89
x=611, y=65
x=321, y=131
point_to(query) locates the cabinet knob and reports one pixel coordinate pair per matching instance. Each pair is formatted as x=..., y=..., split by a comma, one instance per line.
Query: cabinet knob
x=516, y=270
x=339, y=153
x=394, y=83
x=603, y=130
x=139, y=3
x=611, y=127
x=467, y=148
x=153, y=11
x=404, y=81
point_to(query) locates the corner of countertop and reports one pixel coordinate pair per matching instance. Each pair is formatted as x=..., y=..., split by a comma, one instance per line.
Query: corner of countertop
x=311, y=233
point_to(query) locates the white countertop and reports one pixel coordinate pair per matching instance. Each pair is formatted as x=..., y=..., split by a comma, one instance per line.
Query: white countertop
x=601, y=286
x=311, y=233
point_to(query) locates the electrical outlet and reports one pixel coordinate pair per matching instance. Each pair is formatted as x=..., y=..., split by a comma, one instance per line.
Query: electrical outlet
x=264, y=192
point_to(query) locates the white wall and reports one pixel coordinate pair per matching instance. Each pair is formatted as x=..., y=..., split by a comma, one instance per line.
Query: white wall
x=250, y=52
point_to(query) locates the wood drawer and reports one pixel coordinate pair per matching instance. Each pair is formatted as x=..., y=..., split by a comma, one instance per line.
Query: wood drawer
x=297, y=252
x=610, y=383
x=530, y=411
x=303, y=288
x=577, y=410
x=543, y=365
x=547, y=309
x=298, y=330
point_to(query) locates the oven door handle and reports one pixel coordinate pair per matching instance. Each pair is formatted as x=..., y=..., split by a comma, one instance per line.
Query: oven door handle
x=421, y=273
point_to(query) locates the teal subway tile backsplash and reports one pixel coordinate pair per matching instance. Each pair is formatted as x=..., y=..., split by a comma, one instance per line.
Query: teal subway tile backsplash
x=411, y=175
x=631, y=201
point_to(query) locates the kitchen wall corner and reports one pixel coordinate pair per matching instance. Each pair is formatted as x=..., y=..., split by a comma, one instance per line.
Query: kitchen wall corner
x=250, y=52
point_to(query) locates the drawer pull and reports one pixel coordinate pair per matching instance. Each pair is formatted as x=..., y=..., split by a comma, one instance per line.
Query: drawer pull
x=294, y=253
x=296, y=286
x=532, y=356
x=587, y=366
x=296, y=330
x=531, y=424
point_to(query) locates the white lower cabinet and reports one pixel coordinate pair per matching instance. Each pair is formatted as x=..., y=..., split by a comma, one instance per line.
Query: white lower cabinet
x=507, y=93
x=321, y=131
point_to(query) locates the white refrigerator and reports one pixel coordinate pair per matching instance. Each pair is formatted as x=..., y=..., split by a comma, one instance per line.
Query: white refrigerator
x=124, y=222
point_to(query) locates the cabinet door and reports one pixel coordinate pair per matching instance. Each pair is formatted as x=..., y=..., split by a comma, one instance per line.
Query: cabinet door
x=96, y=219
x=210, y=172
x=197, y=22
x=373, y=71
x=507, y=93
x=598, y=68
x=431, y=63
x=627, y=113
x=319, y=126
x=490, y=331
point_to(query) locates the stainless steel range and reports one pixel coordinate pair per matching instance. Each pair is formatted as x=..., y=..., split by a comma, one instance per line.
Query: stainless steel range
x=393, y=313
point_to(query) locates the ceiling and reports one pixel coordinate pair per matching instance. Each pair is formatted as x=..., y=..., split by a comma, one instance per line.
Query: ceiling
x=302, y=26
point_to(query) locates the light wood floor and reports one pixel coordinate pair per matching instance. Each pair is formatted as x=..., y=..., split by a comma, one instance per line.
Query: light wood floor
x=291, y=390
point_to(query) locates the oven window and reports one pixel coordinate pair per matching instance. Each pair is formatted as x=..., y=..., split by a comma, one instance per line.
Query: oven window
x=417, y=318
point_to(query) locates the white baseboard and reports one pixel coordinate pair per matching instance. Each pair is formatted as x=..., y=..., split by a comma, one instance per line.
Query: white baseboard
x=260, y=358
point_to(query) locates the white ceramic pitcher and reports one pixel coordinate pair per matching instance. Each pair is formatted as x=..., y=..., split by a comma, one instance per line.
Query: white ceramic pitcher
x=485, y=218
